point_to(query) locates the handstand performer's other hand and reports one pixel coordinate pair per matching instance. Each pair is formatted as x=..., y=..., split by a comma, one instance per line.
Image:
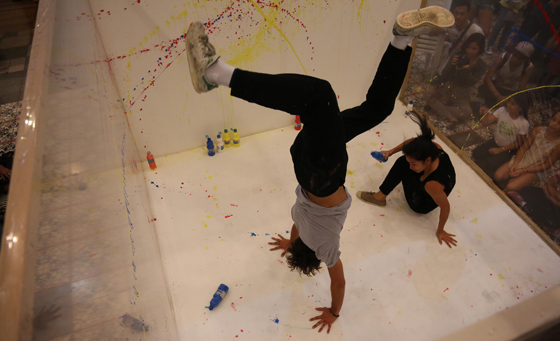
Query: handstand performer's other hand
x=446, y=237
x=326, y=318
x=281, y=244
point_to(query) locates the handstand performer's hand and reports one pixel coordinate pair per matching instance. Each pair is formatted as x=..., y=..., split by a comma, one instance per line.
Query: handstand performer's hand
x=281, y=244
x=446, y=237
x=326, y=318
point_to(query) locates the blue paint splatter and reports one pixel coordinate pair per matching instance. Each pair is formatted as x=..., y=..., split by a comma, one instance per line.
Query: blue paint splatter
x=253, y=235
x=288, y=232
x=154, y=184
x=275, y=320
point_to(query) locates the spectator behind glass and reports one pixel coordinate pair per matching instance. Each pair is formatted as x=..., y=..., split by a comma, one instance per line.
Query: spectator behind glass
x=510, y=74
x=456, y=35
x=537, y=159
x=510, y=134
x=450, y=100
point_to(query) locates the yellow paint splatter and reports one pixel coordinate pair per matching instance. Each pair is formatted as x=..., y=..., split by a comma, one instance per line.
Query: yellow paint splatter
x=500, y=277
x=349, y=172
x=207, y=248
x=216, y=187
x=208, y=216
x=380, y=166
x=373, y=143
x=478, y=235
x=475, y=220
x=210, y=177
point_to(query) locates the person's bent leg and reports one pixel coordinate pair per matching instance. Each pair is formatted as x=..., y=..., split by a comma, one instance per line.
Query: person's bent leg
x=396, y=175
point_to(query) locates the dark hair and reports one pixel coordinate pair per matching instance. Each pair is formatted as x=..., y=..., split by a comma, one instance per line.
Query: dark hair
x=521, y=100
x=459, y=3
x=421, y=147
x=477, y=38
x=302, y=259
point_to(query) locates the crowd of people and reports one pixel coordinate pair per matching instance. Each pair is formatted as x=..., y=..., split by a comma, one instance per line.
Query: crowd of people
x=497, y=58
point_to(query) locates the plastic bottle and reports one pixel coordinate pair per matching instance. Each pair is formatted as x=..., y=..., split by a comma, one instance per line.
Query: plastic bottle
x=151, y=161
x=219, y=143
x=378, y=156
x=409, y=107
x=236, y=141
x=227, y=139
x=218, y=296
x=298, y=123
x=210, y=147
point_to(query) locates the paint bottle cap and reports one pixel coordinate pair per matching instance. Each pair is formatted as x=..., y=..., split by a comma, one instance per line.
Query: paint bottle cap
x=149, y=153
x=225, y=130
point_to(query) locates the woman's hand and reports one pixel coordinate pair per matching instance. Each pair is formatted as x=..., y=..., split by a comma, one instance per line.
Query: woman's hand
x=446, y=237
x=281, y=244
x=455, y=60
x=517, y=172
x=326, y=318
x=5, y=173
x=495, y=151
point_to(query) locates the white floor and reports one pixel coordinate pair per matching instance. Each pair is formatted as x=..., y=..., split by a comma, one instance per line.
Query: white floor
x=215, y=216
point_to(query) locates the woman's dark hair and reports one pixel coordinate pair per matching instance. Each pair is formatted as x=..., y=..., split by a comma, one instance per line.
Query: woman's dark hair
x=477, y=38
x=421, y=147
x=460, y=3
x=302, y=259
x=521, y=100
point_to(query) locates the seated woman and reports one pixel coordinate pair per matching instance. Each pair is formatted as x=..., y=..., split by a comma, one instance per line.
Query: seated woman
x=510, y=133
x=509, y=74
x=536, y=161
x=450, y=100
x=427, y=175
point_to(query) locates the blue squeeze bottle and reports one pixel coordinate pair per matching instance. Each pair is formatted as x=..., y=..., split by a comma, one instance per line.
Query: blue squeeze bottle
x=218, y=296
x=378, y=156
x=210, y=146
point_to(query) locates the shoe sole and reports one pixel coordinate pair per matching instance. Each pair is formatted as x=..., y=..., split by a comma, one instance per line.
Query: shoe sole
x=376, y=203
x=192, y=35
x=433, y=15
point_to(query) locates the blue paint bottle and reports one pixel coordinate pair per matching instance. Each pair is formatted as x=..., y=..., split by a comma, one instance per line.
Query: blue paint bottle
x=210, y=147
x=378, y=156
x=218, y=296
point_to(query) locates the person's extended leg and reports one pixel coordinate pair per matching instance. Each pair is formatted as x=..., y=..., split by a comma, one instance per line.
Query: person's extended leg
x=381, y=96
x=398, y=172
x=516, y=184
x=388, y=80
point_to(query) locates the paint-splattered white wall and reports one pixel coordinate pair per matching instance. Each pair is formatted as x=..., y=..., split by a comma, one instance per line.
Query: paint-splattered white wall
x=338, y=41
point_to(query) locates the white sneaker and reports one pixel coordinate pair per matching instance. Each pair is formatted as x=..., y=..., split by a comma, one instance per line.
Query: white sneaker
x=429, y=20
x=201, y=54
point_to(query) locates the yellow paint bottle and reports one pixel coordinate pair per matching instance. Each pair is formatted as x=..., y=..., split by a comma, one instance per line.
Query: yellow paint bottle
x=236, y=140
x=227, y=139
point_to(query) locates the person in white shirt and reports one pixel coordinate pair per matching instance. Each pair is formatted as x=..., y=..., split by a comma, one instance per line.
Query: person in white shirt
x=456, y=35
x=510, y=133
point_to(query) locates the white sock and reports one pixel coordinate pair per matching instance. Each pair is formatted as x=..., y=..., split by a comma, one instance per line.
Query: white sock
x=401, y=42
x=219, y=73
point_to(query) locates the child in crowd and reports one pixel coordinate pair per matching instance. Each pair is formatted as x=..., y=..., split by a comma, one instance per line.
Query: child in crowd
x=511, y=130
x=536, y=161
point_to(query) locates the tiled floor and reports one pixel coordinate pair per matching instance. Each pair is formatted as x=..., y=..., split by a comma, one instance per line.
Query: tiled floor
x=17, y=20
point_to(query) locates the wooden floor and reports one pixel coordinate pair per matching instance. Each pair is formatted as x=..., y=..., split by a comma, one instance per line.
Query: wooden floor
x=17, y=20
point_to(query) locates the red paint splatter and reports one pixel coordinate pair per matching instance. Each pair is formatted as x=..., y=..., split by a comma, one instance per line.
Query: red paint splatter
x=409, y=273
x=232, y=305
x=229, y=215
x=539, y=270
x=155, y=219
x=446, y=289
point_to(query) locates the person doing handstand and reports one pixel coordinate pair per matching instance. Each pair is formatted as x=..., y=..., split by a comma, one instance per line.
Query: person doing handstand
x=320, y=164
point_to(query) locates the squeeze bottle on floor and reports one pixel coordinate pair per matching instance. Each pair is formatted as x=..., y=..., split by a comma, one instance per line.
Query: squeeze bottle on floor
x=210, y=147
x=236, y=141
x=409, y=107
x=218, y=296
x=151, y=161
x=219, y=144
x=298, y=123
x=227, y=139
x=378, y=156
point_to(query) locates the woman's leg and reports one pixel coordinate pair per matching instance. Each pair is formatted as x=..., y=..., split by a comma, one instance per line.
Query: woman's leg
x=502, y=174
x=398, y=172
x=381, y=96
x=521, y=181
